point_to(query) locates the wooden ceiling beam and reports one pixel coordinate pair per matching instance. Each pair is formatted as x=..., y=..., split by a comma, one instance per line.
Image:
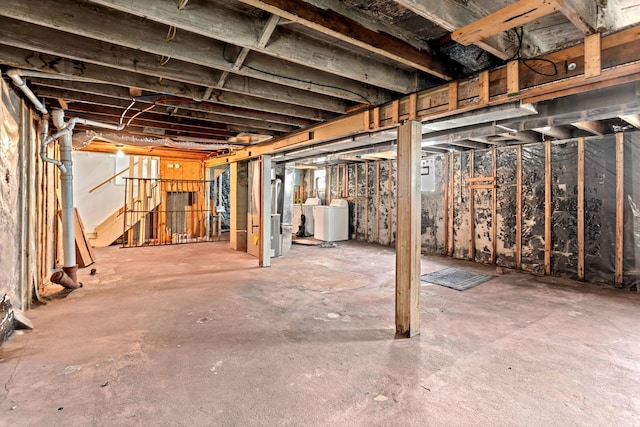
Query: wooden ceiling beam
x=92, y=94
x=268, y=29
x=55, y=65
x=594, y=127
x=509, y=17
x=107, y=147
x=632, y=119
x=31, y=37
x=352, y=32
x=242, y=30
x=452, y=15
x=147, y=36
x=582, y=13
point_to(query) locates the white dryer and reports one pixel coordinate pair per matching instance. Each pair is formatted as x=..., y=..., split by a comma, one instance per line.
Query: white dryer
x=332, y=222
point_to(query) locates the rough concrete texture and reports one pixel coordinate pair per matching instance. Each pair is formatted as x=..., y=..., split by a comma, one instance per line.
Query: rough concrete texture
x=197, y=335
x=10, y=172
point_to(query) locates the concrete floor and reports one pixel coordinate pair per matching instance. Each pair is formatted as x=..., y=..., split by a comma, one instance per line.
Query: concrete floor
x=197, y=335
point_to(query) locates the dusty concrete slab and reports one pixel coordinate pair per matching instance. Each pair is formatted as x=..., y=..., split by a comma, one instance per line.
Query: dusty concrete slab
x=197, y=335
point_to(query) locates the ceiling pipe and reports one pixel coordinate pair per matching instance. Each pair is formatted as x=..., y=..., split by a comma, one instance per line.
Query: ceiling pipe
x=68, y=276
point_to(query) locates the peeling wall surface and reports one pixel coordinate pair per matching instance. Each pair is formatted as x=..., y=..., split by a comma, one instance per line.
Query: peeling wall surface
x=371, y=191
x=432, y=228
x=483, y=207
x=506, y=195
x=9, y=191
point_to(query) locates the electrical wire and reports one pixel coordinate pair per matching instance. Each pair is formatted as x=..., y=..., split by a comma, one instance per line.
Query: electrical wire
x=133, y=101
x=140, y=112
x=171, y=34
x=525, y=61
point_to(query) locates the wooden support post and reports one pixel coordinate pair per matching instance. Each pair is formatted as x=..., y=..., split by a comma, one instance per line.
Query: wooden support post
x=472, y=224
x=131, y=207
x=445, y=204
x=389, y=197
x=378, y=201
x=592, y=60
x=408, y=230
x=519, y=207
x=483, y=87
x=327, y=186
x=513, y=78
x=238, y=205
x=547, y=207
x=366, y=211
x=619, y=279
x=453, y=96
x=494, y=208
x=580, y=208
x=356, y=202
x=366, y=116
x=264, y=254
x=395, y=111
x=450, y=247
x=345, y=182
x=413, y=106
x=142, y=203
x=376, y=118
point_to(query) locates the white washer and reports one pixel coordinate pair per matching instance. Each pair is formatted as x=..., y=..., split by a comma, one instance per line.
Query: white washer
x=332, y=222
x=307, y=210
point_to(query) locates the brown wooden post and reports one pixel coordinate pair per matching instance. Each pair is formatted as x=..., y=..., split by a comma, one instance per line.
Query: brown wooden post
x=408, y=230
x=519, y=207
x=547, y=207
x=580, y=208
x=619, y=209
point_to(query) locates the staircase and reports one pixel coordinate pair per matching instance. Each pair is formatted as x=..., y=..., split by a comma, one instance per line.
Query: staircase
x=113, y=227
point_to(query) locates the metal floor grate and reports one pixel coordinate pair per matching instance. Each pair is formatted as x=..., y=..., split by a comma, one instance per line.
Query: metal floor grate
x=456, y=278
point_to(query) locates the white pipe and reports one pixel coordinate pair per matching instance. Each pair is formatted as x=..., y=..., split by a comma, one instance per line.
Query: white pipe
x=16, y=76
x=66, y=188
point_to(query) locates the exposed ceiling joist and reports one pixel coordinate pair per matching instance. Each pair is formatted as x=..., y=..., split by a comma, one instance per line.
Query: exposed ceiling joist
x=452, y=15
x=509, y=17
x=268, y=29
x=582, y=13
x=558, y=132
x=146, y=36
x=594, y=127
x=350, y=31
x=92, y=95
x=238, y=29
x=55, y=65
x=632, y=119
x=30, y=37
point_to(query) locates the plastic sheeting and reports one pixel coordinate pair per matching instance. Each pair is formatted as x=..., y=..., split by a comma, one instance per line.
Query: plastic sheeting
x=506, y=189
x=600, y=209
x=564, y=218
x=533, y=204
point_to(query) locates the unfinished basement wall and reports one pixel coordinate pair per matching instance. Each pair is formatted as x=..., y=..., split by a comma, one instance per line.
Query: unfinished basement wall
x=546, y=208
x=28, y=233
